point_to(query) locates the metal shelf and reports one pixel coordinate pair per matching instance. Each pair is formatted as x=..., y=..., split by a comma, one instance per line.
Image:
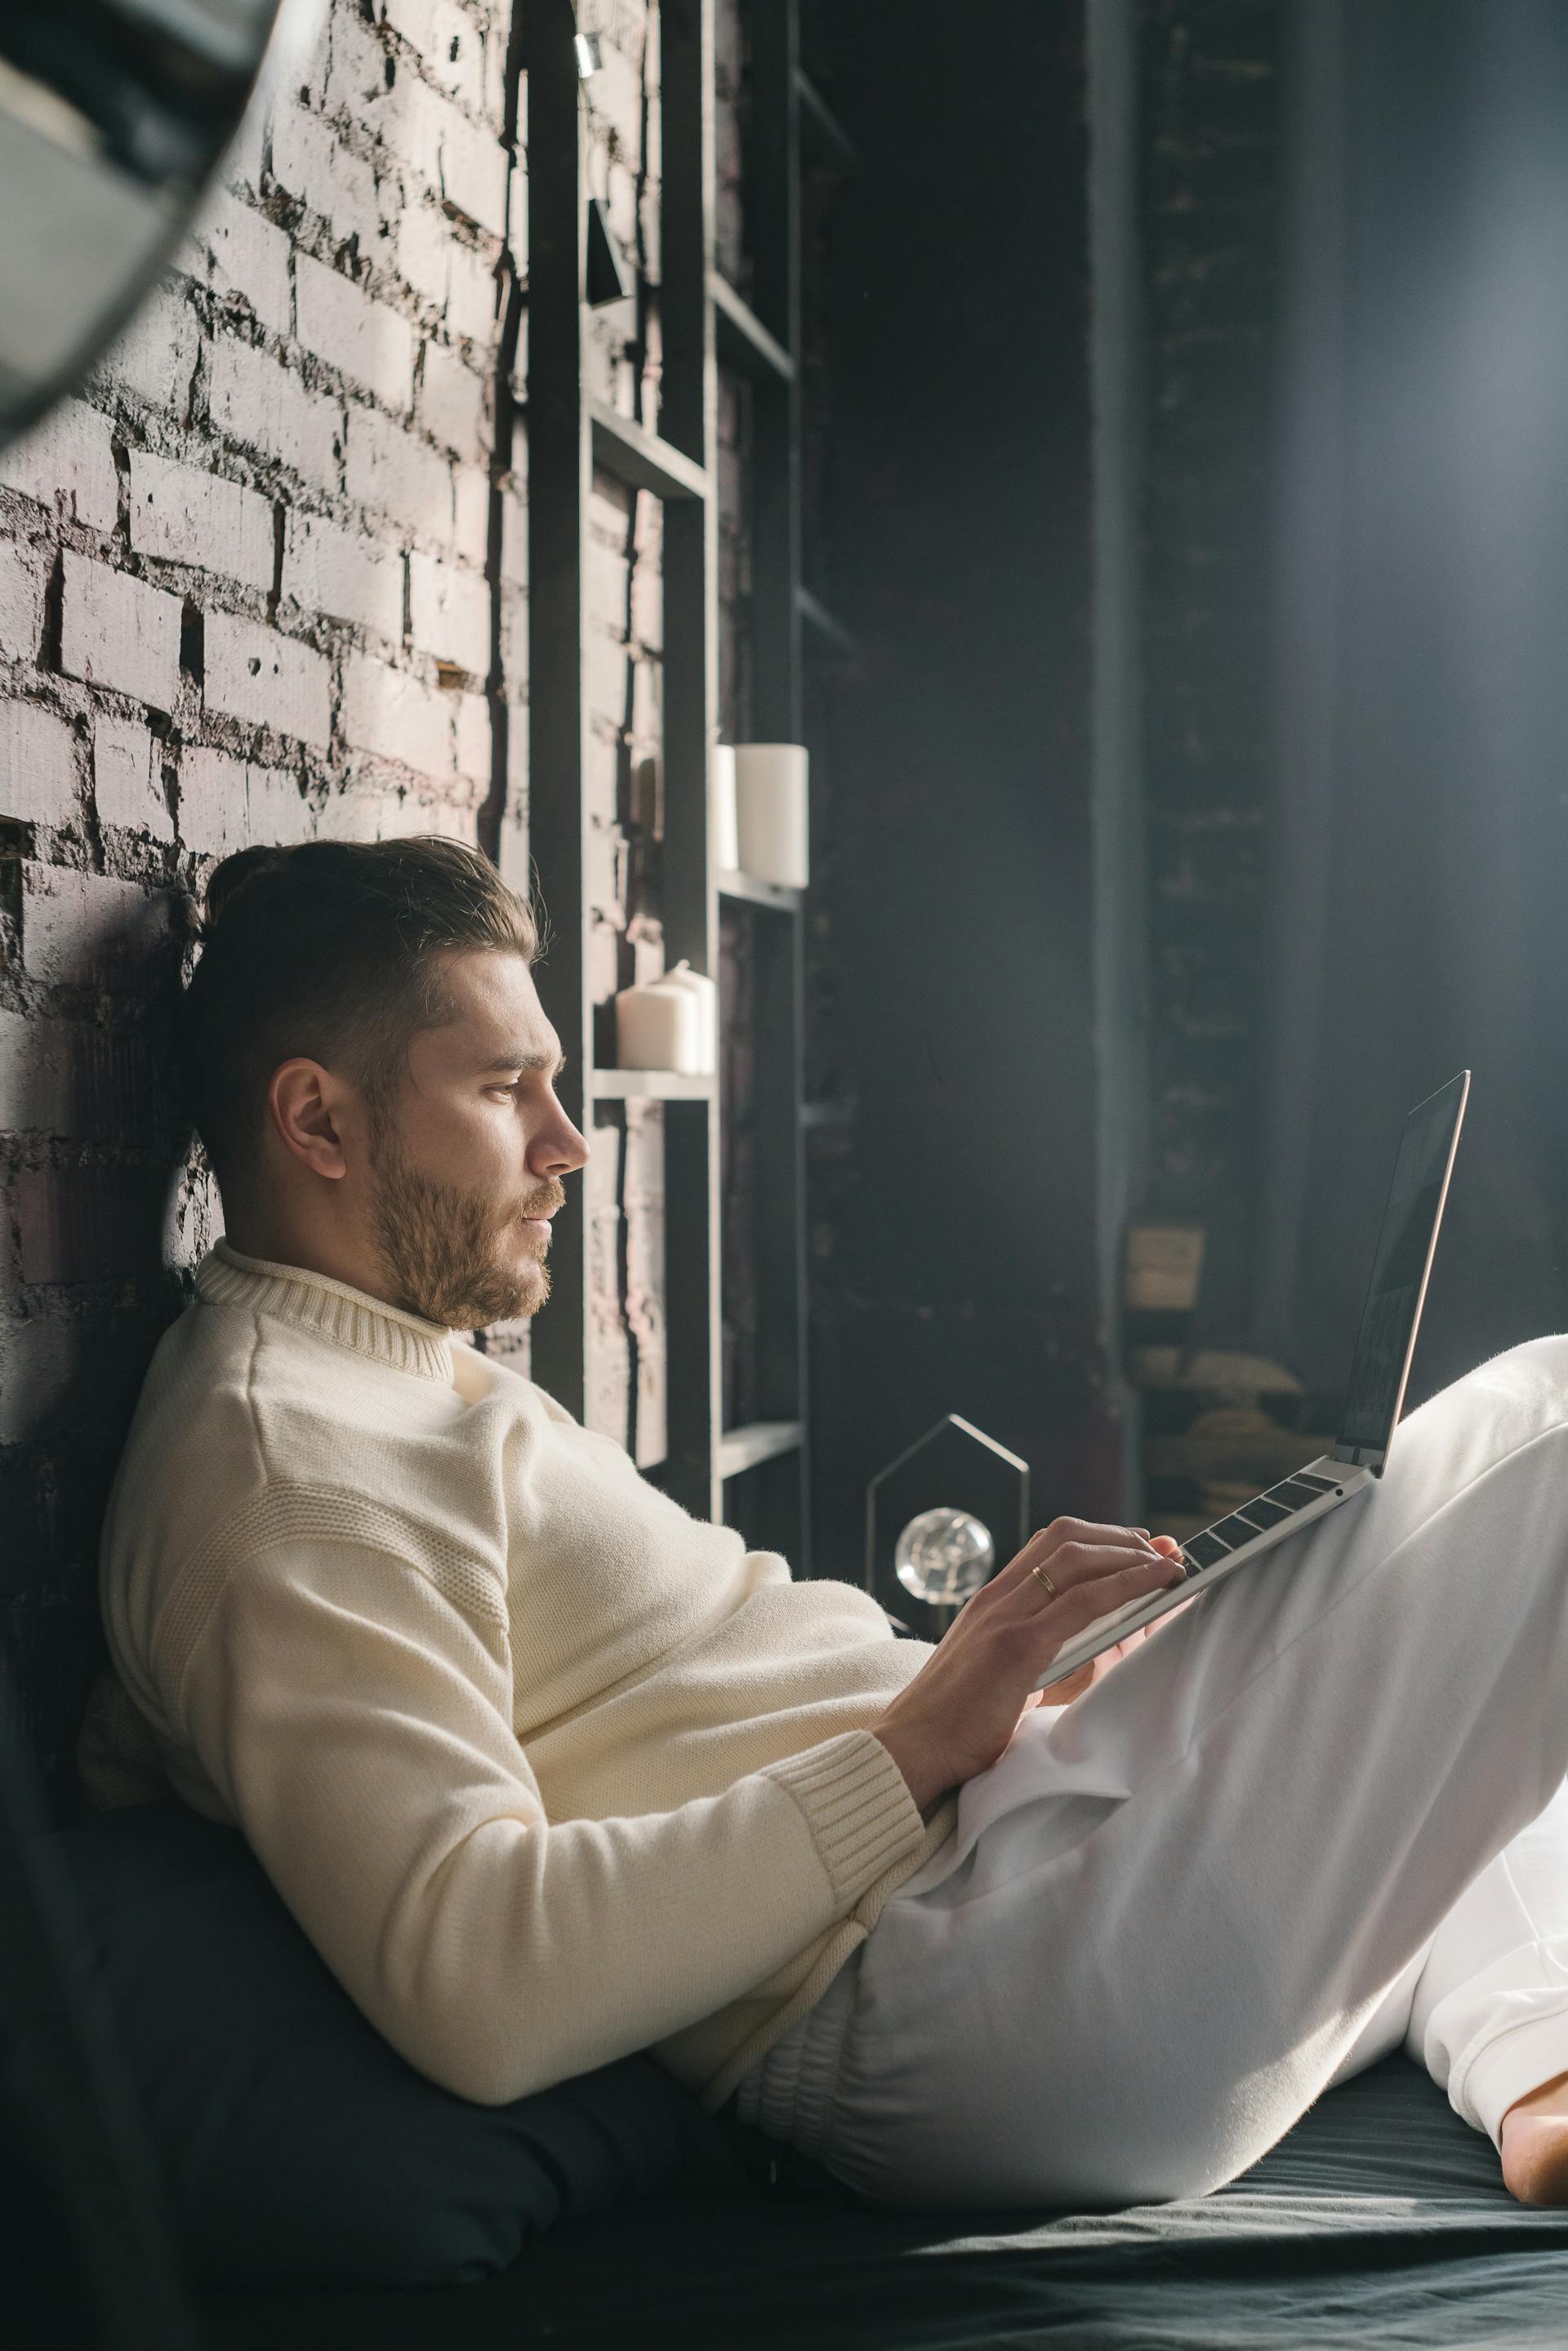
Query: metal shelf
x=743, y=342
x=649, y=1085
x=635, y=455
x=760, y=893
x=702, y=322
x=759, y=1440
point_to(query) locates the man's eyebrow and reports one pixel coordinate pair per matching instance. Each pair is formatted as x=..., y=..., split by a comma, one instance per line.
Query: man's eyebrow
x=518, y=1060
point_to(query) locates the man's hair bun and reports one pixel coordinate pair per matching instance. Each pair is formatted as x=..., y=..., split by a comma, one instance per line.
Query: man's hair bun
x=232, y=873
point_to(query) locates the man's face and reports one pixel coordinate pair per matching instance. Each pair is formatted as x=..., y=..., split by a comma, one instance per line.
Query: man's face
x=467, y=1162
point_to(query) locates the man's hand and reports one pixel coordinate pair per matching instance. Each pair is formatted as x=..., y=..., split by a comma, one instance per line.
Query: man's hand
x=962, y=1707
x=1062, y=1693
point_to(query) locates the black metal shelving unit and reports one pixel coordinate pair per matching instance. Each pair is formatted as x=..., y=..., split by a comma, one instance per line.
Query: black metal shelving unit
x=756, y=1474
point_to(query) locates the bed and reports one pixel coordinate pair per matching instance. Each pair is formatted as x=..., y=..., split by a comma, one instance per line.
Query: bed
x=1381, y=2221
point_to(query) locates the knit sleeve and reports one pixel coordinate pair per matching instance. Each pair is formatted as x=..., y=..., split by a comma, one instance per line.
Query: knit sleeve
x=356, y=1722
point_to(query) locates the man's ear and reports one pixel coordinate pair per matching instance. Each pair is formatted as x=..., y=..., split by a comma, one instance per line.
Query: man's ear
x=305, y=1102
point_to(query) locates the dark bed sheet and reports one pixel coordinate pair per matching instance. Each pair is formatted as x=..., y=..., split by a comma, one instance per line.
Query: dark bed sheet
x=1381, y=2221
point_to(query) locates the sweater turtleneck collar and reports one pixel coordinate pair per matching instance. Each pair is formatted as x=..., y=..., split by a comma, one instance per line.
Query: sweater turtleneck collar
x=350, y=1318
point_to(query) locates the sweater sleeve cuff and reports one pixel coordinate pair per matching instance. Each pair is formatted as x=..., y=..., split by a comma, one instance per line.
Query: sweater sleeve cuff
x=858, y=1807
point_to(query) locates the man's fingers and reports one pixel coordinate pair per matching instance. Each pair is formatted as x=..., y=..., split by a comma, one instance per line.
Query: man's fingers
x=1085, y=1602
x=1072, y=1564
x=1068, y=1540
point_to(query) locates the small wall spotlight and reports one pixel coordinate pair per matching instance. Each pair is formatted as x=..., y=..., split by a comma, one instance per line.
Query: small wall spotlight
x=587, y=57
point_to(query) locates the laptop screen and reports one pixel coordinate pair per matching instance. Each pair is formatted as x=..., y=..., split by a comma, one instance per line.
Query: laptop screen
x=1404, y=1244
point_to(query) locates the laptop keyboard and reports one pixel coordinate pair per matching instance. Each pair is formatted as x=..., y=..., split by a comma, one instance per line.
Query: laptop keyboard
x=1270, y=1510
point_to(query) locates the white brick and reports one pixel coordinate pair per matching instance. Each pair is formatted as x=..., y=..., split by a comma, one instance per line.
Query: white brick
x=474, y=741
x=90, y=929
x=474, y=172
x=192, y=518
x=343, y=574
x=386, y=468
x=615, y=94
x=254, y=673
x=213, y=801
x=495, y=106
x=361, y=338
x=356, y=77
x=466, y=164
x=276, y=808
x=263, y=406
x=620, y=209
x=38, y=766
x=119, y=632
x=425, y=248
x=127, y=782
x=311, y=162
x=156, y=356
x=68, y=462
x=451, y=612
x=408, y=118
x=397, y=716
x=471, y=512
x=226, y=803
x=450, y=403
x=457, y=281
x=449, y=42
x=21, y=599
x=357, y=814
x=249, y=260
x=471, y=297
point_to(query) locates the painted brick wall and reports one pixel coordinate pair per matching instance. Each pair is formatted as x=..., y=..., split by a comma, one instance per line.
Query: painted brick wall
x=1210, y=160
x=265, y=579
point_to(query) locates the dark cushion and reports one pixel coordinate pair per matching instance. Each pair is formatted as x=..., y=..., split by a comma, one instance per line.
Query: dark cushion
x=295, y=2144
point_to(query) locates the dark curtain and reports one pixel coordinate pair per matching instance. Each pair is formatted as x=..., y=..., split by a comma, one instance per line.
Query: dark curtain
x=1419, y=867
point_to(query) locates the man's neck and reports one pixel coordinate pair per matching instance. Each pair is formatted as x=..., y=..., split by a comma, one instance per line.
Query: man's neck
x=281, y=1240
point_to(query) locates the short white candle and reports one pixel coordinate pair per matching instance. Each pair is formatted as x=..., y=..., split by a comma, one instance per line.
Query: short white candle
x=705, y=995
x=657, y=1027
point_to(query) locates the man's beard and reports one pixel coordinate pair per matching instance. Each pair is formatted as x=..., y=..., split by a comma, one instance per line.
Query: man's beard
x=448, y=1254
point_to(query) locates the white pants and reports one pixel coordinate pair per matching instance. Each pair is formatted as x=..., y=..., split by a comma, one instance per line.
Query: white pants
x=1318, y=1814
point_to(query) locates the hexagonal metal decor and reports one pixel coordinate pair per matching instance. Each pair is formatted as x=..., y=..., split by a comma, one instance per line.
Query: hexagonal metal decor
x=954, y=1469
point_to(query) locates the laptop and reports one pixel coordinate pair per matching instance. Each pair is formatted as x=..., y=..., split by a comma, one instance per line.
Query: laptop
x=1374, y=1393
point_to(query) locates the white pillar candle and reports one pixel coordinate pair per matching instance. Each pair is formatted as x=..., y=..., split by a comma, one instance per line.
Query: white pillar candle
x=770, y=792
x=705, y=995
x=657, y=1027
x=726, y=835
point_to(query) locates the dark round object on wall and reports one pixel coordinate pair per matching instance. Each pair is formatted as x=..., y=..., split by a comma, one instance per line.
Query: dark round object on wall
x=114, y=114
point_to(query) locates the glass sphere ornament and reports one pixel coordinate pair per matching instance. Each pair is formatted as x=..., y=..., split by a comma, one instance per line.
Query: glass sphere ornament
x=943, y=1556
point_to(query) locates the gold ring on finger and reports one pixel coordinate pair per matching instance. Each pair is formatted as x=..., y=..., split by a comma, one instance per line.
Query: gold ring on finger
x=1041, y=1576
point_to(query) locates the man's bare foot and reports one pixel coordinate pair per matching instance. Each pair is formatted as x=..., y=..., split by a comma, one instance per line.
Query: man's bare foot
x=1534, y=2145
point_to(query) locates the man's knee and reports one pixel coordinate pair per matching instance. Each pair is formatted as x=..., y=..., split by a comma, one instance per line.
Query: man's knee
x=1534, y=1375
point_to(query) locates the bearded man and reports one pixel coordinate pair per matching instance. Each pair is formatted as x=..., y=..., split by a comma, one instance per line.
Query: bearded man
x=550, y=1772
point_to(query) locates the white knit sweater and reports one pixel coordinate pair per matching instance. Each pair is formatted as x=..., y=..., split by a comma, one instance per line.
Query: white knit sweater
x=548, y=1770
